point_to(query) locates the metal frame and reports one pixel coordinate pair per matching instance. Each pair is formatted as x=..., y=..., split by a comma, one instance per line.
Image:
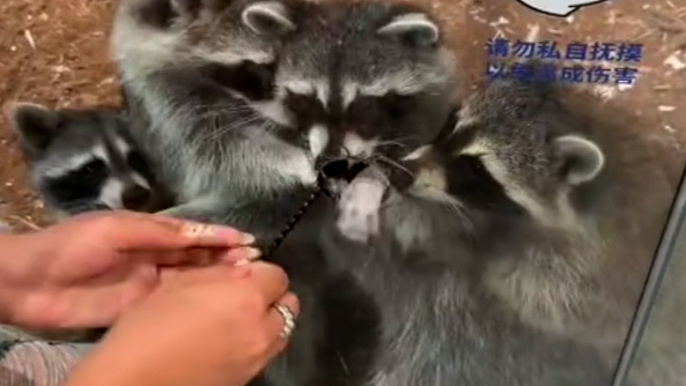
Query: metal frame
x=663, y=255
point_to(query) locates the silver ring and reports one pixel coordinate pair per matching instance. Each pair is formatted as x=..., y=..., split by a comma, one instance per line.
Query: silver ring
x=288, y=320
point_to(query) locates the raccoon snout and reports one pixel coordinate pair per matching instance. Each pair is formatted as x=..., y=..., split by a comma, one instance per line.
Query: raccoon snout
x=136, y=197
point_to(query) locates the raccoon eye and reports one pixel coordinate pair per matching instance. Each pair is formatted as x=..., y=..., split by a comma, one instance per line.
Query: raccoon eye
x=395, y=105
x=92, y=169
x=255, y=81
x=307, y=108
x=468, y=167
x=136, y=161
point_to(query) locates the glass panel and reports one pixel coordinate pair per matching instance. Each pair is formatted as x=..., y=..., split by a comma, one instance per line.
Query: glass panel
x=643, y=139
x=658, y=356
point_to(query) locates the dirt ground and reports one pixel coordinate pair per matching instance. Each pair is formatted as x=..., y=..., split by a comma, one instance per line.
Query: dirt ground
x=54, y=52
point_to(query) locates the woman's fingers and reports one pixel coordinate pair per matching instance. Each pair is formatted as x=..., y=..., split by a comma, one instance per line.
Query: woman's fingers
x=148, y=232
x=199, y=256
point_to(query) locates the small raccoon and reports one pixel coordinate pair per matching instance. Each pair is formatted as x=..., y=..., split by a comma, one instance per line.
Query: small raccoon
x=84, y=160
x=520, y=194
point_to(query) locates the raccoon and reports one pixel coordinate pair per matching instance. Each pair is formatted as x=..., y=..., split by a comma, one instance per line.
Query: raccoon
x=85, y=160
x=198, y=78
x=365, y=82
x=530, y=183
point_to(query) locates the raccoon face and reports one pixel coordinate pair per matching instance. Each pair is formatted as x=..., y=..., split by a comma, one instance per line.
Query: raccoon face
x=365, y=79
x=514, y=150
x=228, y=44
x=83, y=160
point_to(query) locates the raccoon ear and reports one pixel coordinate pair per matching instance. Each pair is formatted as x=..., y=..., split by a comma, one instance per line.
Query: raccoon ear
x=582, y=160
x=35, y=124
x=415, y=28
x=268, y=18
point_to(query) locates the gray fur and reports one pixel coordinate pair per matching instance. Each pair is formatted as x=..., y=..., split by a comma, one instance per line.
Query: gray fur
x=438, y=325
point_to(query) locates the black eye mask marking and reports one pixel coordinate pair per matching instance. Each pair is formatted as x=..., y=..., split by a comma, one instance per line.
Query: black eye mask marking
x=252, y=80
x=81, y=184
x=158, y=13
x=137, y=162
x=470, y=181
x=93, y=169
x=308, y=109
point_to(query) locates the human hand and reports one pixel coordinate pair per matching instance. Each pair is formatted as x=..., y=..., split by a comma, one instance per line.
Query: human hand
x=84, y=271
x=209, y=326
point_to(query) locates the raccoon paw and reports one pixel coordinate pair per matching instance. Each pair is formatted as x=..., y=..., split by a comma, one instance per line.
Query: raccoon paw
x=359, y=209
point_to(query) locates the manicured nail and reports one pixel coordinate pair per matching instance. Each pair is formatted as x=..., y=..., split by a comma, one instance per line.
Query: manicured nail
x=247, y=239
x=242, y=256
x=253, y=253
x=241, y=263
x=232, y=234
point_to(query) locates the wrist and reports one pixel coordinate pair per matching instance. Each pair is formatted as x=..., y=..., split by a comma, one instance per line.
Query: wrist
x=89, y=371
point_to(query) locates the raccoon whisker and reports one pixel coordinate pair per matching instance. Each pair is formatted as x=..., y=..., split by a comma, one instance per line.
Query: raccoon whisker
x=395, y=142
x=392, y=163
x=219, y=109
x=459, y=211
x=390, y=143
x=222, y=130
x=218, y=132
x=270, y=126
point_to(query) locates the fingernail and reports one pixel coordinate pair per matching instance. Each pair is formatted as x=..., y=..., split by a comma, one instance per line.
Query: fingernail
x=230, y=233
x=242, y=256
x=253, y=253
x=247, y=239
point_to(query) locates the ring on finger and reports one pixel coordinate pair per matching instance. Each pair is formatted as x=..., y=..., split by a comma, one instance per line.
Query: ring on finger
x=288, y=319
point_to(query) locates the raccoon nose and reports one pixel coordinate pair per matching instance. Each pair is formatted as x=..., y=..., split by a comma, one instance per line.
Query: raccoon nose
x=343, y=169
x=136, y=197
x=335, y=169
